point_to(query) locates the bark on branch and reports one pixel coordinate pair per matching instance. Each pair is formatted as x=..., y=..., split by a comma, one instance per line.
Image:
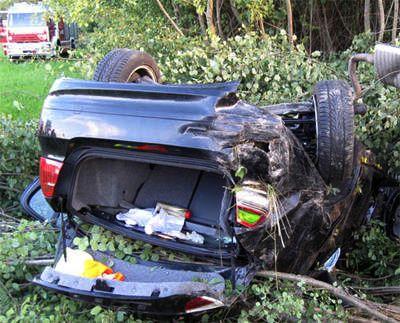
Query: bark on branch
x=210, y=17
x=381, y=20
x=367, y=19
x=338, y=292
x=235, y=12
x=290, y=20
x=395, y=20
x=166, y=14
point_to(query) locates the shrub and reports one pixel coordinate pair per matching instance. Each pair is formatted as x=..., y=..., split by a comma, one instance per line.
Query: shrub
x=263, y=67
x=374, y=253
x=19, y=153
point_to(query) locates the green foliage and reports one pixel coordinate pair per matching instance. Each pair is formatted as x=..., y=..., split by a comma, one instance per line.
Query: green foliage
x=256, y=9
x=375, y=254
x=19, y=153
x=100, y=239
x=27, y=240
x=276, y=301
x=262, y=66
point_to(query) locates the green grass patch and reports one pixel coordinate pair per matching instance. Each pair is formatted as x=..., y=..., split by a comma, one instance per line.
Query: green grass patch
x=24, y=84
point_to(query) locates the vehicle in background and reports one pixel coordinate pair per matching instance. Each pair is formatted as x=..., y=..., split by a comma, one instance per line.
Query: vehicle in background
x=3, y=29
x=33, y=31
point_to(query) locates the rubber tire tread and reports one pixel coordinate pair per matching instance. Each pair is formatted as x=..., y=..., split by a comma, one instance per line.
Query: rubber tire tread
x=335, y=124
x=118, y=64
x=101, y=73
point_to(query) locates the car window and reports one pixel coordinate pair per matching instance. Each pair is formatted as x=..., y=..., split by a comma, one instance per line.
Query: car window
x=26, y=20
x=40, y=206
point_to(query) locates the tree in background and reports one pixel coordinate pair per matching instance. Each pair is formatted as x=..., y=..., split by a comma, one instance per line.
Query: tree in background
x=325, y=25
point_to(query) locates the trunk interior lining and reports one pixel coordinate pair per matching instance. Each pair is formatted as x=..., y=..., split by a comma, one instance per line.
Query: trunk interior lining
x=107, y=182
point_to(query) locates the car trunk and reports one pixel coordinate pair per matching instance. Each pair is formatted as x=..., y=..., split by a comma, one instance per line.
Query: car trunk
x=159, y=287
x=106, y=187
x=163, y=288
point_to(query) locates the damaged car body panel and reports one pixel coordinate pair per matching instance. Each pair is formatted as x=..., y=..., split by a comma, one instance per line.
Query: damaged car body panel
x=247, y=185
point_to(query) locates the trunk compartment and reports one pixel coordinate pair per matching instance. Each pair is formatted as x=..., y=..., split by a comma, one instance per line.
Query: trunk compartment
x=105, y=187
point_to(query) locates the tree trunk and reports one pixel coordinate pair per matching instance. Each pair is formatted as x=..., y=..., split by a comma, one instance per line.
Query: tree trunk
x=290, y=20
x=311, y=26
x=235, y=12
x=169, y=18
x=381, y=20
x=261, y=26
x=327, y=35
x=395, y=20
x=367, y=17
x=210, y=17
x=219, y=24
x=202, y=23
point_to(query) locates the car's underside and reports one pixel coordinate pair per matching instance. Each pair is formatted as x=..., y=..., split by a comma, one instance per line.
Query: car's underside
x=279, y=187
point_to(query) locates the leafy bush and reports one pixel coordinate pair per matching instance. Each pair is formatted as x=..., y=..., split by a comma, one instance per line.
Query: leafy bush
x=263, y=66
x=19, y=152
x=277, y=301
x=375, y=254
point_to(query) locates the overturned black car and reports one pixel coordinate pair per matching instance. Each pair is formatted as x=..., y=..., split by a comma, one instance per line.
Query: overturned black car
x=192, y=168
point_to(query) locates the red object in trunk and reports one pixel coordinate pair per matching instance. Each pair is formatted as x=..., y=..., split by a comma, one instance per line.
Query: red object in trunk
x=48, y=174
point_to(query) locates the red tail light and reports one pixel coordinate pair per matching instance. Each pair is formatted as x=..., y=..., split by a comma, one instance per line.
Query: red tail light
x=202, y=303
x=48, y=174
x=250, y=217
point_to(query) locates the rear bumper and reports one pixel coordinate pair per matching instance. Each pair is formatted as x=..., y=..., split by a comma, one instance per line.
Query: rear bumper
x=158, y=288
x=30, y=49
x=167, y=306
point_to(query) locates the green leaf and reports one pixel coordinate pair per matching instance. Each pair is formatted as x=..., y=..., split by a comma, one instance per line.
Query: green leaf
x=96, y=310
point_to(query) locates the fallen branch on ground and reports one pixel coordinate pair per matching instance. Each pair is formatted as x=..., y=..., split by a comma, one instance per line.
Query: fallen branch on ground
x=379, y=290
x=34, y=262
x=338, y=292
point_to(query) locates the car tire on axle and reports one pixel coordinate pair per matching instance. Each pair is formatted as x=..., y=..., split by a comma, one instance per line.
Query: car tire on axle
x=335, y=131
x=127, y=66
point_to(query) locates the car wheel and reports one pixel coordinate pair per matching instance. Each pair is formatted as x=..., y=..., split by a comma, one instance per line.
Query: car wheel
x=335, y=131
x=126, y=66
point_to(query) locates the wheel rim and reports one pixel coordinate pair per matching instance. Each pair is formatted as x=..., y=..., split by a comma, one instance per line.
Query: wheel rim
x=316, y=128
x=140, y=71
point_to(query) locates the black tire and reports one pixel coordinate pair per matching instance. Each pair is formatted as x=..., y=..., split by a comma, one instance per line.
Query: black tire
x=335, y=131
x=126, y=66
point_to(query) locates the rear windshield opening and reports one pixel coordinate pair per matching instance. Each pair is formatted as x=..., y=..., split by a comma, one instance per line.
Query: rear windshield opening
x=129, y=193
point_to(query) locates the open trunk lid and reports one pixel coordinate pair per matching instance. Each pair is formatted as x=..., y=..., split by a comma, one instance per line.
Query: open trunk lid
x=154, y=287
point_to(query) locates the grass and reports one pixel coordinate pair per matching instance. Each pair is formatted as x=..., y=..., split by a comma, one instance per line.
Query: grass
x=24, y=85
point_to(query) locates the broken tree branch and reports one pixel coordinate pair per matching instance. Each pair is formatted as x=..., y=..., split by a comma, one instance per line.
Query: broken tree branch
x=34, y=262
x=379, y=290
x=338, y=292
x=169, y=18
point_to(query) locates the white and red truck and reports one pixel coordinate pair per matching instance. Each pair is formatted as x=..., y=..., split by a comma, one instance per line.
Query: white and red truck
x=31, y=30
x=3, y=27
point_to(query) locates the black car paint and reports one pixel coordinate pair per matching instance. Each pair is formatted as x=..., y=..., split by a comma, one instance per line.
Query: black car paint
x=201, y=124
